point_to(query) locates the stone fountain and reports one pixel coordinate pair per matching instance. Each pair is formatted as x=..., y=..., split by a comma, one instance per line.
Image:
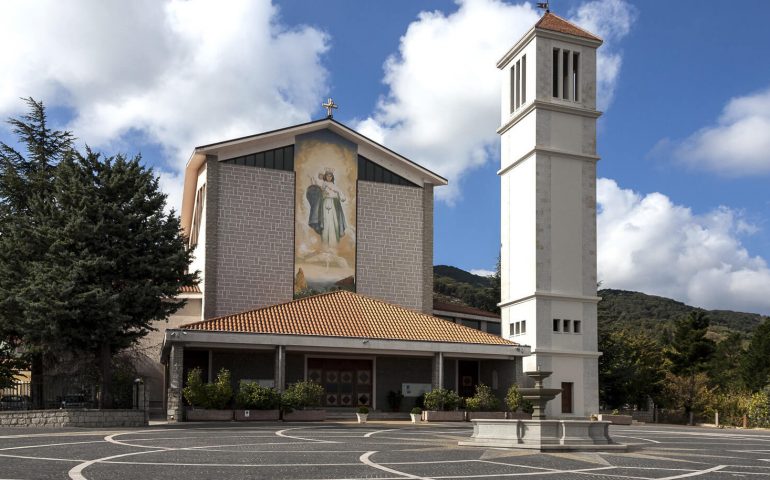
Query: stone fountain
x=540, y=433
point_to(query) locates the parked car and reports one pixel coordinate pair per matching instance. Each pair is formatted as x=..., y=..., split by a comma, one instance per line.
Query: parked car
x=77, y=400
x=14, y=402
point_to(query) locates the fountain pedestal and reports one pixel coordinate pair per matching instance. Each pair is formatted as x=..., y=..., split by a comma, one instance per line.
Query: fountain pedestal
x=540, y=433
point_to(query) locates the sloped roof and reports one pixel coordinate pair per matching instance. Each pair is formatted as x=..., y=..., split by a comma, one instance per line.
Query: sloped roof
x=346, y=314
x=555, y=23
x=188, y=289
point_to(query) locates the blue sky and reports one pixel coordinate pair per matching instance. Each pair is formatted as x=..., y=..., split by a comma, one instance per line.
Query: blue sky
x=684, y=141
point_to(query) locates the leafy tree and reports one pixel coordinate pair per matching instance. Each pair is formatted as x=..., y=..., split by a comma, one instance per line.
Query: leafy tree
x=631, y=368
x=100, y=259
x=724, y=369
x=690, y=351
x=689, y=392
x=755, y=364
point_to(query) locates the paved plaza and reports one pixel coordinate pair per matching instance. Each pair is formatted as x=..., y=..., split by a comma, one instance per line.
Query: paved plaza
x=392, y=450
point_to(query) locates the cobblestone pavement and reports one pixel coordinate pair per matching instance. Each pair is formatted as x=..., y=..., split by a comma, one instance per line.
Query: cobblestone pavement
x=388, y=450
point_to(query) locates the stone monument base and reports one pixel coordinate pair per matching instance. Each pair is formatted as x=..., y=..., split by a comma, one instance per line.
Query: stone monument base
x=543, y=435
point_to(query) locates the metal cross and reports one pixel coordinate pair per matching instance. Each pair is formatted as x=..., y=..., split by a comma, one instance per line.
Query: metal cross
x=544, y=6
x=329, y=106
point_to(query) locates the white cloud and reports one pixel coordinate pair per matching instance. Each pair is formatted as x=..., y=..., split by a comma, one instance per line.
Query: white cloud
x=647, y=243
x=442, y=107
x=177, y=73
x=482, y=272
x=738, y=144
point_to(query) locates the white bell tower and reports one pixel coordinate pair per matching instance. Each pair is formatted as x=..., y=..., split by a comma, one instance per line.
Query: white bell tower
x=548, y=194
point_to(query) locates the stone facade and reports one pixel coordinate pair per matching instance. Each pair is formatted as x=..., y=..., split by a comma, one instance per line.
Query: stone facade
x=174, y=403
x=73, y=418
x=391, y=244
x=254, y=244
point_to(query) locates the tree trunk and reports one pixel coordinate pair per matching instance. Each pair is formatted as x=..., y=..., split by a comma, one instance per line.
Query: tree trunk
x=105, y=360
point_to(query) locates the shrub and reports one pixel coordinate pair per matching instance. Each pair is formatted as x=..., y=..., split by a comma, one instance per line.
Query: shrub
x=416, y=411
x=302, y=395
x=363, y=410
x=441, y=399
x=208, y=395
x=484, y=400
x=256, y=397
x=513, y=399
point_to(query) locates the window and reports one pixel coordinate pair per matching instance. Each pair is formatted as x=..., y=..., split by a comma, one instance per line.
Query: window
x=471, y=323
x=493, y=328
x=576, y=326
x=200, y=199
x=372, y=172
x=516, y=328
x=566, y=397
x=519, y=83
x=277, y=159
x=566, y=71
x=566, y=328
x=523, y=326
x=556, y=324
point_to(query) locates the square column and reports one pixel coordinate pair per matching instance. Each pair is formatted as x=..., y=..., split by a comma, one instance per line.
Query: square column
x=280, y=367
x=175, y=405
x=437, y=379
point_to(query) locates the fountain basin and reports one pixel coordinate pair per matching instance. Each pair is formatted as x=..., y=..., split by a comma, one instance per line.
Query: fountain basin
x=543, y=435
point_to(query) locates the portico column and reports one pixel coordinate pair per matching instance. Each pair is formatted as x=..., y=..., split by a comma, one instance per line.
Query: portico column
x=438, y=370
x=280, y=367
x=175, y=406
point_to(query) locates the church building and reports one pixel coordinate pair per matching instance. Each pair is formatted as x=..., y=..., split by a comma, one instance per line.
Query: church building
x=315, y=251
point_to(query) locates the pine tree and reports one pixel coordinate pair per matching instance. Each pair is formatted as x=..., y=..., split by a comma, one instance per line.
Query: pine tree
x=755, y=363
x=690, y=350
x=108, y=261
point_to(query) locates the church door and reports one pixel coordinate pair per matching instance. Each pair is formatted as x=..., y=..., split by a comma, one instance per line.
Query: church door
x=348, y=382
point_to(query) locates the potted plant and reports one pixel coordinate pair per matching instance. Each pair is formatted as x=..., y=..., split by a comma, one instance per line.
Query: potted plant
x=517, y=406
x=483, y=404
x=301, y=402
x=441, y=406
x=208, y=401
x=416, y=413
x=362, y=414
x=256, y=402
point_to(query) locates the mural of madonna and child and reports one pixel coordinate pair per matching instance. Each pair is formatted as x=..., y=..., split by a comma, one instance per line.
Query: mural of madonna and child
x=326, y=170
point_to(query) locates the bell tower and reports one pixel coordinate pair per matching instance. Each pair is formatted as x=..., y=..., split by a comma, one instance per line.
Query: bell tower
x=548, y=195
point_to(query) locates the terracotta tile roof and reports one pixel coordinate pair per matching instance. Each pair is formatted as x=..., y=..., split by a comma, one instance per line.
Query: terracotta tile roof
x=346, y=314
x=193, y=289
x=555, y=23
x=458, y=308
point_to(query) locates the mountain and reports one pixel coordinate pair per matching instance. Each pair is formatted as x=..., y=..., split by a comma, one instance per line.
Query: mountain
x=623, y=308
x=460, y=275
x=617, y=309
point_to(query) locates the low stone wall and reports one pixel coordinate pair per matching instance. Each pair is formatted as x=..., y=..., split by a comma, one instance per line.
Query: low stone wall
x=73, y=418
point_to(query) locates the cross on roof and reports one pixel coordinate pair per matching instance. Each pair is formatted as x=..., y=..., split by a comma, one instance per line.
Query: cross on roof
x=329, y=106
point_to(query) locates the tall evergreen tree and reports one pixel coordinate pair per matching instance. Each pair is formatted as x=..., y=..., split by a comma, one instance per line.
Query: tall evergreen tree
x=26, y=182
x=690, y=350
x=108, y=261
x=755, y=363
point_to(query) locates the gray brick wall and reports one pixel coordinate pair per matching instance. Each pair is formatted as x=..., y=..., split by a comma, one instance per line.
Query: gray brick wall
x=251, y=248
x=390, y=244
x=427, y=249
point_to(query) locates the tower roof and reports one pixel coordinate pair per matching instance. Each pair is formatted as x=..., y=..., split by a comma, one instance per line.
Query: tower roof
x=555, y=23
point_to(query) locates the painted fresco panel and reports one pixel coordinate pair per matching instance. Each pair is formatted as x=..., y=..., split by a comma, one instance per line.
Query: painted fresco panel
x=326, y=167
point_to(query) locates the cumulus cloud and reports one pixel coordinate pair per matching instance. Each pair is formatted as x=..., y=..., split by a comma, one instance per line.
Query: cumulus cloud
x=175, y=73
x=650, y=244
x=737, y=144
x=443, y=103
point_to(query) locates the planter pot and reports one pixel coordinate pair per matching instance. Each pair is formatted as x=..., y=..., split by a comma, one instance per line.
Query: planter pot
x=203, y=415
x=615, y=419
x=362, y=417
x=257, y=415
x=415, y=417
x=519, y=416
x=305, y=416
x=437, y=416
x=486, y=416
